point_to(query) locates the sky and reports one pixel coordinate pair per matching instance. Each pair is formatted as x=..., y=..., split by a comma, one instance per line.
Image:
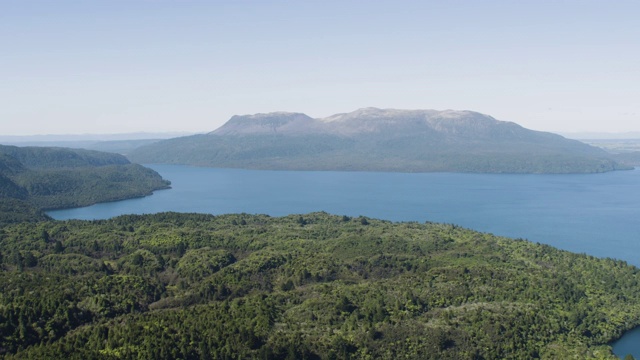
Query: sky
x=120, y=66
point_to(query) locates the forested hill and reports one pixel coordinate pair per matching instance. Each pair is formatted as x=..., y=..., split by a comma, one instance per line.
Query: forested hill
x=380, y=140
x=34, y=157
x=315, y=286
x=33, y=179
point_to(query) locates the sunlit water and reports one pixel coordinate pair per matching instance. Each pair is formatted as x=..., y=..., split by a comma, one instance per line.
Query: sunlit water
x=597, y=214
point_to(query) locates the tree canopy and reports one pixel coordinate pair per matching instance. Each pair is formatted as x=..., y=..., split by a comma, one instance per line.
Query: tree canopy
x=191, y=286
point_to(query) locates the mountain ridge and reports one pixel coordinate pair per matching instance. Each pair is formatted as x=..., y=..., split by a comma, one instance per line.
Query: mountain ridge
x=368, y=119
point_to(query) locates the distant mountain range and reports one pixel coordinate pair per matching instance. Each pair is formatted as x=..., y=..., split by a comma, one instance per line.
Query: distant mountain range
x=374, y=139
x=117, y=143
x=601, y=135
x=24, y=140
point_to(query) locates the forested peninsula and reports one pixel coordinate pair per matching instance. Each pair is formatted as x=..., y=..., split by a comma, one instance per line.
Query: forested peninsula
x=374, y=139
x=33, y=179
x=312, y=286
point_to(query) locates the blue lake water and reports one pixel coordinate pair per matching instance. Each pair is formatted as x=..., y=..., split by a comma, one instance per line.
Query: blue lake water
x=597, y=214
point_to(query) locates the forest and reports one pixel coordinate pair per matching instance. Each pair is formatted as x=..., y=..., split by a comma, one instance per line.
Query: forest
x=33, y=179
x=311, y=286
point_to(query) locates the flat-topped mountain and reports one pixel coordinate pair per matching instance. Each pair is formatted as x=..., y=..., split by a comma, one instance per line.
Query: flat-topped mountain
x=364, y=121
x=372, y=139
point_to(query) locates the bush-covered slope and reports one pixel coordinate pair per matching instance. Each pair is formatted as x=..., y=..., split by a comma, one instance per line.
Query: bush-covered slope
x=62, y=188
x=15, y=211
x=380, y=140
x=314, y=286
x=32, y=179
x=54, y=158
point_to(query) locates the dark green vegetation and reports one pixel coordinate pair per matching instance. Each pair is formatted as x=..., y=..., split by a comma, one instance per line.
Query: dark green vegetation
x=380, y=140
x=316, y=286
x=36, y=178
x=52, y=158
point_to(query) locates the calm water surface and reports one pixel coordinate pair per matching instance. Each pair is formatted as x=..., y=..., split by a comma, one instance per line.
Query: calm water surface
x=597, y=214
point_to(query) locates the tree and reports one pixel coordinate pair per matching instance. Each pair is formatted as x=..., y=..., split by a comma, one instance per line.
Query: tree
x=137, y=259
x=30, y=260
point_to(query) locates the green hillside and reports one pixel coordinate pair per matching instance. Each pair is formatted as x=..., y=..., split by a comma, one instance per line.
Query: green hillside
x=34, y=157
x=315, y=286
x=36, y=179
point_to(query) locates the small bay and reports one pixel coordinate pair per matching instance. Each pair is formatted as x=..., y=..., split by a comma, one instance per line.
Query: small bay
x=596, y=214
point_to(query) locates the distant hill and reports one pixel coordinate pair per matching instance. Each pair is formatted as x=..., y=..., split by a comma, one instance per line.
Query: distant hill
x=374, y=139
x=624, y=151
x=114, y=143
x=112, y=146
x=628, y=158
x=33, y=179
x=53, y=157
x=601, y=135
x=26, y=140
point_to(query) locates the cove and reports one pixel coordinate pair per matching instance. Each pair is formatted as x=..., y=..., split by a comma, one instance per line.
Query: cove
x=629, y=343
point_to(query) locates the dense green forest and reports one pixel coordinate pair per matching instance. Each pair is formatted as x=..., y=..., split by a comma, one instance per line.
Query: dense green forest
x=314, y=286
x=33, y=179
x=34, y=157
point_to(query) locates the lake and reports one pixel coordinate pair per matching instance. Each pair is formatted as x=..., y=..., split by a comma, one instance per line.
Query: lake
x=597, y=214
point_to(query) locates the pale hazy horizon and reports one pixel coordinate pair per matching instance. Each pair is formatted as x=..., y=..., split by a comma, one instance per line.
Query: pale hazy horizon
x=115, y=67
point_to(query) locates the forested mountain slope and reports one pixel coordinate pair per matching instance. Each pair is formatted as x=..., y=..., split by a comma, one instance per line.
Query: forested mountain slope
x=34, y=157
x=313, y=286
x=33, y=178
x=380, y=140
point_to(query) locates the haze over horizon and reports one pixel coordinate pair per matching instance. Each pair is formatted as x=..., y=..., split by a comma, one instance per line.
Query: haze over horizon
x=72, y=67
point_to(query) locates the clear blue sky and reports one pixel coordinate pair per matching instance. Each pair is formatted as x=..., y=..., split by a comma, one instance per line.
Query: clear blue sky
x=116, y=66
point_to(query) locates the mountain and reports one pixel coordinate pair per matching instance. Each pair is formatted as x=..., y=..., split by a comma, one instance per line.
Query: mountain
x=36, y=178
x=374, y=139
